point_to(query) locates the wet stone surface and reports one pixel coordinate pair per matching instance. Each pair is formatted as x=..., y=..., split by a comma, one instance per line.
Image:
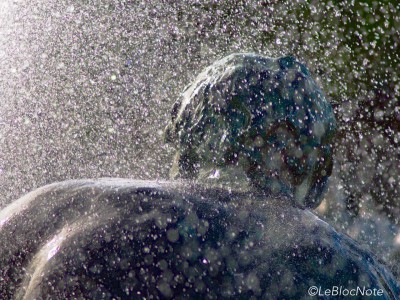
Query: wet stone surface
x=107, y=238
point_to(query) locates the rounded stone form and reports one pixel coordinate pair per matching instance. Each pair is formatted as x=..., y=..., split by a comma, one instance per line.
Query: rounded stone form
x=118, y=238
x=262, y=115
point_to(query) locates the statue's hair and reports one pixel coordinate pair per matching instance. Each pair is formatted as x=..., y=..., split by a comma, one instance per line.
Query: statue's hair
x=265, y=115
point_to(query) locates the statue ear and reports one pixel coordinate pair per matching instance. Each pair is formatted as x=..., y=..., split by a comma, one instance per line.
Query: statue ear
x=316, y=190
x=318, y=180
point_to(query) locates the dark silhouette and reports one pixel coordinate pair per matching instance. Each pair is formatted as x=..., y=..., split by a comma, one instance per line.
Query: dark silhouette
x=253, y=141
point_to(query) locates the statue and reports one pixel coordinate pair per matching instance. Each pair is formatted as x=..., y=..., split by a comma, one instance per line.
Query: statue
x=253, y=138
x=263, y=118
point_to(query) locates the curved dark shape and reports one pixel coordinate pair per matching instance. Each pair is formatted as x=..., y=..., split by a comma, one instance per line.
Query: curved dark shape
x=120, y=238
x=264, y=116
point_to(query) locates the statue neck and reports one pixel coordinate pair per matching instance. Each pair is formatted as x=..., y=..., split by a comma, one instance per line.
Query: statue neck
x=228, y=177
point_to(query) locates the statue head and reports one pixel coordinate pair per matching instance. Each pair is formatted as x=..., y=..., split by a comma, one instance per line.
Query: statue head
x=262, y=120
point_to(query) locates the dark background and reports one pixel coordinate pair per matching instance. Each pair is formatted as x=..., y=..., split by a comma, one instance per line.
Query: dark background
x=86, y=88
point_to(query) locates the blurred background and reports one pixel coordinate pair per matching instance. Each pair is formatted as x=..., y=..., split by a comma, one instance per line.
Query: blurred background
x=86, y=88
